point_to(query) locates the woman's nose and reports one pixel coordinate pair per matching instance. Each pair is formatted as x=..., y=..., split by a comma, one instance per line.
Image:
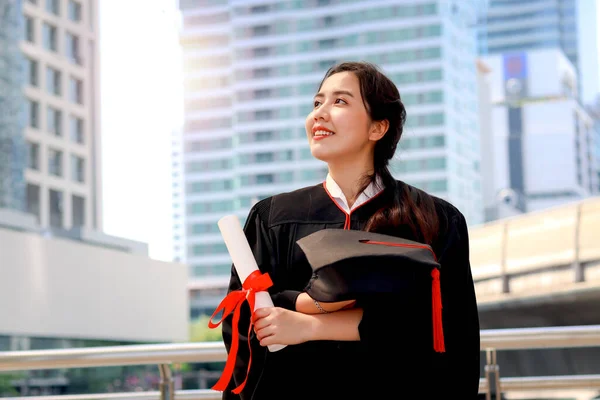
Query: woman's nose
x=321, y=113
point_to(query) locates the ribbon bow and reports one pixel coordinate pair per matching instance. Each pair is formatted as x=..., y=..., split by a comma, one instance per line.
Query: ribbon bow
x=255, y=282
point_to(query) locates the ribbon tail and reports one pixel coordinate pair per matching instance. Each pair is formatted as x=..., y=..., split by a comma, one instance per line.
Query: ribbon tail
x=228, y=304
x=223, y=381
x=251, y=301
x=436, y=303
x=234, y=300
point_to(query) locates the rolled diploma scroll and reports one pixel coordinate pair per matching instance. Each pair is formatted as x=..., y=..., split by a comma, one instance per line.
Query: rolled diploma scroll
x=243, y=259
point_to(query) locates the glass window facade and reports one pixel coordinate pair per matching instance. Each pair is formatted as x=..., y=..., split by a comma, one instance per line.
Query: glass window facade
x=281, y=56
x=16, y=111
x=50, y=37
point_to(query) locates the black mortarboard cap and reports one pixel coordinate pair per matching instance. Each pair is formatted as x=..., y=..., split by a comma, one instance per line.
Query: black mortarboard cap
x=350, y=264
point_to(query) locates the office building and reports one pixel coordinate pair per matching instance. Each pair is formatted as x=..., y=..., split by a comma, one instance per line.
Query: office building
x=571, y=25
x=539, y=145
x=62, y=123
x=251, y=70
x=64, y=282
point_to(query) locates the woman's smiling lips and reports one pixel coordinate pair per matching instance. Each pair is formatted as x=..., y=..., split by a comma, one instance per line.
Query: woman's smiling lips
x=320, y=132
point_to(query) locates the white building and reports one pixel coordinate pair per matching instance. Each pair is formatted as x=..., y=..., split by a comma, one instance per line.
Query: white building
x=63, y=181
x=251, y=71
x=571, y=25
x=52, y=247
x=61, y=293
x=594, y=110
x=538, y=150
x=65, y=283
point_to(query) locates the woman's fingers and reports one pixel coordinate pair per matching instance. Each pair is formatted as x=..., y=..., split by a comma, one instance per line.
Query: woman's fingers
x=261, y=323
x=264, y=333
x=267, y=341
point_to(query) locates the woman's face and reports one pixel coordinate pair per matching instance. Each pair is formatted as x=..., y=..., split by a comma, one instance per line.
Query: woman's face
x=339, y=124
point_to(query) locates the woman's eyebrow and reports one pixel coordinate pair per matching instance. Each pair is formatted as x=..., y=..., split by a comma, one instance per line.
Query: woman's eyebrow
x=336, y=93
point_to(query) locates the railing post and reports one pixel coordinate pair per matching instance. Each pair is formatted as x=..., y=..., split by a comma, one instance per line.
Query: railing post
x=167, y=387
x=503, y=274
x=492, y=376
x=577, y=266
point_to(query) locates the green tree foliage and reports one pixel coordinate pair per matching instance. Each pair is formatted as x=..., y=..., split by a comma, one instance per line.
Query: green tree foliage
x=6, y=388
x=200, y=332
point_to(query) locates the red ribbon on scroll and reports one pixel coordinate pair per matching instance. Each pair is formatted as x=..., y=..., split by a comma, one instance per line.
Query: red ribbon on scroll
x=255, y=282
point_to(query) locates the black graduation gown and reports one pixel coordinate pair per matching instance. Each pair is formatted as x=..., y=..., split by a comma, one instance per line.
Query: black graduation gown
x=394, y=358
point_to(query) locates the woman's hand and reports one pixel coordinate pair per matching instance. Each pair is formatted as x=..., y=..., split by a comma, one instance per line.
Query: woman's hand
x=275, y=325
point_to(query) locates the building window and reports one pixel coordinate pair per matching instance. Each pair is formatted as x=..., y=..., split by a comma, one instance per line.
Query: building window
x=33, y=156
x=55, y=162
x=32, y=68
x=72, y=48
x=261, y=30
x=262, y=115
x=327, y=43
x=261, y=72
x=56, y=208
x=33, y=117
x=78, y=211
x=77, y=168
x=76, y=90
x=264, y=178
x=209, y=248
x=53, y=81
x=33, y=200
x=76, y=130
x=29, y=29
x=211, y=207
x=259, y=9
x=328, y=21
x=53, y=7
x=261, y=51
x=50, y=37
x=263, y=136
x=54, y=121
x=262, y=93
x=264, y=157
x=74, y=11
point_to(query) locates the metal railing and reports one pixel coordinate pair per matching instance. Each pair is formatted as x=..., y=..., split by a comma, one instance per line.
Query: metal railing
x=164, y=355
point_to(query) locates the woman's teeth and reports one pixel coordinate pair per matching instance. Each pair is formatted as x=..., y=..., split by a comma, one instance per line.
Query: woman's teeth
x=323, y=133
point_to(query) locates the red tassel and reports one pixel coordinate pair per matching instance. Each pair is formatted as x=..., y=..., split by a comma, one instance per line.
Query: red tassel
x=436, y=303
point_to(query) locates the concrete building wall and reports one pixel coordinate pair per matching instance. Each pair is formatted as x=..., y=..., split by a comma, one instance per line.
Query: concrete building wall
x=60, y=288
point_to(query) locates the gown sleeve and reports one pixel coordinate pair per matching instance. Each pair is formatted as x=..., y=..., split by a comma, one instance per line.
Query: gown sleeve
x=256, y=232
x=456, y=372
x=461, y=317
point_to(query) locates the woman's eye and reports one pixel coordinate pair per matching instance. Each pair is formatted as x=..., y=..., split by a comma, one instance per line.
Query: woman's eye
x=342, y=100
x=316, y=103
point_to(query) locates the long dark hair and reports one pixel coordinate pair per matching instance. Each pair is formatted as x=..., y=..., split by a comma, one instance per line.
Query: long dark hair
x=409, y=207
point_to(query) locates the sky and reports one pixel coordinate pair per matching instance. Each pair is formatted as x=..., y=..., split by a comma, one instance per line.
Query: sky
x=141, y=102
x=141, y=105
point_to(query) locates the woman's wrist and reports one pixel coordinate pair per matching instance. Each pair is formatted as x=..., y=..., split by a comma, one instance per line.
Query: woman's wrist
x=314, y=327
x=341, y=325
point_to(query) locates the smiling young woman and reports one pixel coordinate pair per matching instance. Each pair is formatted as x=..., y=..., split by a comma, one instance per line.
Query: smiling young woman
x=344, y=350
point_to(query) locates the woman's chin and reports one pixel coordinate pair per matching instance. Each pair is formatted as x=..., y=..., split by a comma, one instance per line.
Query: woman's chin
x=321, y=154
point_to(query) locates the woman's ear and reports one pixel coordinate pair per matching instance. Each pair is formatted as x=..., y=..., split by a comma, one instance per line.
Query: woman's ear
x=378, y=129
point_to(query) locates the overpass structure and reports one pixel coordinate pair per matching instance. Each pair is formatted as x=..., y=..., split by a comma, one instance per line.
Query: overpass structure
x=537, y=270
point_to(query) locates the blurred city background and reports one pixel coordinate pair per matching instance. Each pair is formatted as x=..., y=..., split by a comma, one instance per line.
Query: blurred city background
x=129, y=128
